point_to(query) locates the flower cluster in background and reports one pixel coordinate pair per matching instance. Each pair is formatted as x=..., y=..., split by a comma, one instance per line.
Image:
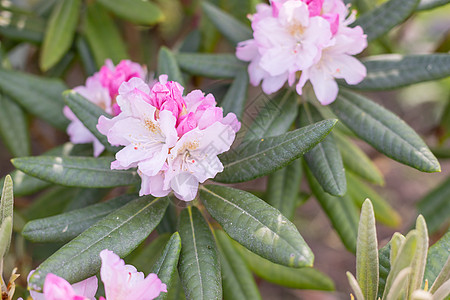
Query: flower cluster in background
x=301, y=40
x=102, y=89
x=121, y=282
x=172, y=140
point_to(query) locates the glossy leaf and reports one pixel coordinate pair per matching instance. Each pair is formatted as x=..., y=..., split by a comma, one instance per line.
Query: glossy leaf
x=430, y=4
x=384, y=131
x=275, y=117
x=27, y=90
x=357, y=161
x=355, y=286
x=420, y=257
x=21, y=26
x=167, y=64
x=59, y=32
x=234, y=100
x=382, y=19
x=437, y=270
x=393, y=71
x=282, y=189
x=232, y=29
x=295, y=278
x=257, y=226
x=367, y=252
x=434, y=206
x=341, y=211
x=144, y=257
x=199, y=265
x=66, y=226
x=86, y=197
x=86, y=172
x=261, y=157
x=103, y=36
x=137, y=11
x=88, y=113
x=210, y=65
x=166, y=265
x=121, y=232
x=237, y=279
x=324, y=160
x=384, y=267
x=358, y=191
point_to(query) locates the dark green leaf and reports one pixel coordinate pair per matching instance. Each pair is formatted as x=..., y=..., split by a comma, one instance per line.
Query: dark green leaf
x=282, y=189
x=169, y=221
x=257, y=225
x=210, y=65
x=66, y=226
x=234, y=100
x=22, y=26
x=261, y=157
x=28, y=90
x=392, y=71
x=385, y=267
x=238, y=282
x=103, y=36
x=167, y=64
x=438, y=257
x=86, y=197
x=166, y=265
x=385, y=17
x=121, y=232
x=324, y=160
x=86, y=172
x=199, y=266
x=384, y=131
x=295, y=278
x=341, y=211
x=276, y=116
x=88, y=113
x=231, y=28
x=137, y=11
x=435, y=208
x=145, y=256
x=429, y=4
x=86, y=55
x=59, y=32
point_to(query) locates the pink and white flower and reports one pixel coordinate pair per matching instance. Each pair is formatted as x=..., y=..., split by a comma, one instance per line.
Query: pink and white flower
x=172, y=140
x=102, y=89
x=57, y=288
x=303, y=40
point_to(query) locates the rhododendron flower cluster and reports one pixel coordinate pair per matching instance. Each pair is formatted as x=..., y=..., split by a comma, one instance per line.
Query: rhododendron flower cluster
x=301, y=40
x=172, y=140
x=121, y=282
x=102, y=89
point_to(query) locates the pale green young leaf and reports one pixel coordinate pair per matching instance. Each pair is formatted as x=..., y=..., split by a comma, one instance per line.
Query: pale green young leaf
x=420, y=258
x=430, y=4
x=5, y=236
x=399, y=286
x=355, y=286
x=137, y=11
x=167, y=64
x=7, y=199
x=442, y=292
x=396, y=243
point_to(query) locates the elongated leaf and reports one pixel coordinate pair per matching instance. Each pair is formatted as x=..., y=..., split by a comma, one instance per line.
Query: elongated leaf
x=434, y=206
x=137, y=11
x=5, y=235
x=86, y=55
x=257, y=225
x=88, y=113
x=27, y=90
x=167, y=64
x=210, y=65
x=275, y=118
x=66, y=226
x=282, y=189
x=169, y=222
x=296, y=278
x=356, y=160
x=340, y=210
x=399, y=284
x=261, y=157
x=59, y=32
x=404, y=259
x=358, y=191
x=86, y=172
x=392, y=71
x=420, y=257
x=367, y=252
x=120, y=232
x=396, y=243
x=144, y=258
x=355, y=286
x=384, y=131
x=86, y=197
x=232, y=29
x=21, y=26
x=166, y=265
x=430, y=4
x=199, y=266
x=438, y=256
x=384, y=267
x=443, y=291
x=238, y=282
x=234, y=100
x=6, y=215
x=324, y=160
x=385, y=17
x=103, y=36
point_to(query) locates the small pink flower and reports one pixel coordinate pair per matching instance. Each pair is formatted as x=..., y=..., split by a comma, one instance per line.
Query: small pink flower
x=125, y=282
x=57, y=288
